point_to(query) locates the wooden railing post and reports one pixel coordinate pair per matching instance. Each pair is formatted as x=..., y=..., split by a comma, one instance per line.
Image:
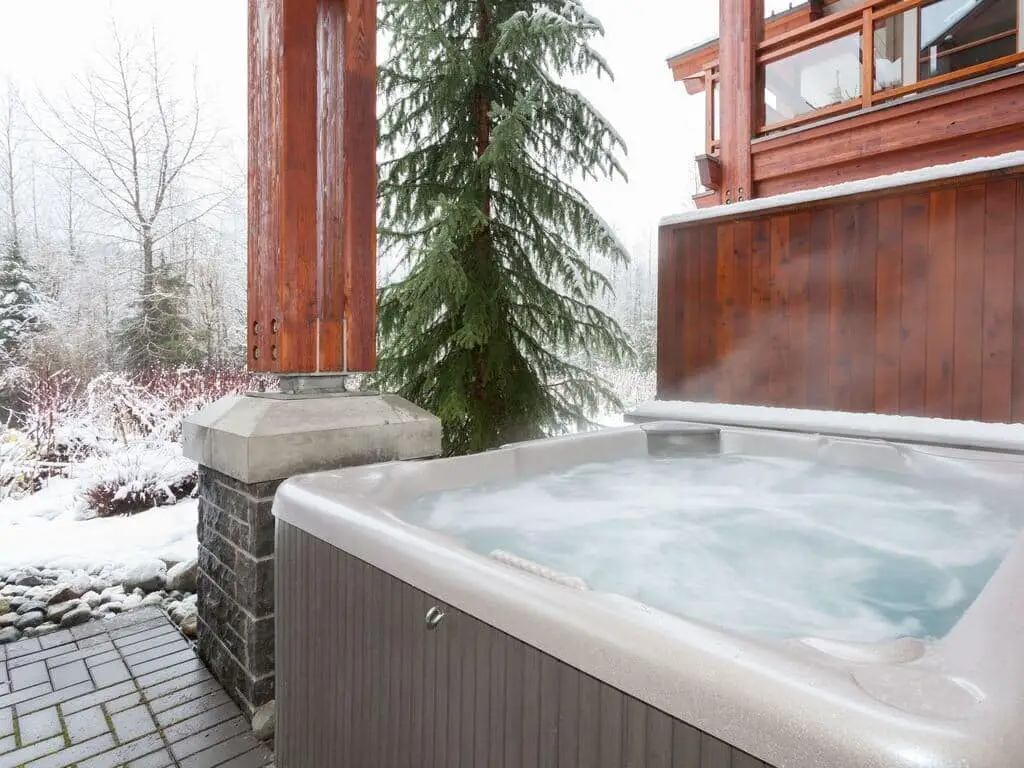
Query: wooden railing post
x=709, y=108
x=868, y=58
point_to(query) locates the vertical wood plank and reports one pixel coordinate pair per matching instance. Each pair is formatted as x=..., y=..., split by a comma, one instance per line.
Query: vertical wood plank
x=353, y=638
x=328, y=334
x=863, y=274
x=1018, y=310
x=590, y=722
x=531, y=706
x=997, y=350
x=568, y=715
x=360, y=183
x=778, y=388
x=969, y=317
x=613, y=723
x=691, y=328
x=685, y=745
x=515, y=704
x=762, y=357
x=550, y=705
x=888, y=306
x=470, y=714
x=714, y=753
x=841, y=341
x=658, y=752
x=496, y=693
x=819, y=309
x=421, y=698
x=700, y=378
x=485, y=687
x=707, y=369
x=452, y=687
x=265, y=146
x=914, y=305
x=635, y=747
x=941, y=302
x=360, y=623
x=398, y=674
x=740, y=375
x=798, y=284
x=297, y=256
x=671, y=333
x=724, y=287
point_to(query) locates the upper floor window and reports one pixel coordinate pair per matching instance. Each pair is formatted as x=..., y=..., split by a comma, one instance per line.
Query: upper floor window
x=930, y=44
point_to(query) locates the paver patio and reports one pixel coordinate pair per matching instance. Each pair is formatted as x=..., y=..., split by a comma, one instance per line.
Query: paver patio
x=127, y=692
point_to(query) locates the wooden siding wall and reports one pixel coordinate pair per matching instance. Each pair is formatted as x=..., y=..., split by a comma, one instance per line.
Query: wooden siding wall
x=910, y=302
x=362, y=683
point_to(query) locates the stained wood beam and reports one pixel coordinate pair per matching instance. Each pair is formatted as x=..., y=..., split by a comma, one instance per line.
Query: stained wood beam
x=312, y=186
x=742, y=24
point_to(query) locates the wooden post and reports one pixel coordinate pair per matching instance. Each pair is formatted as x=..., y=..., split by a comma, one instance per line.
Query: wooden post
x=741, y=29
x=867, y=55
x=312, y=186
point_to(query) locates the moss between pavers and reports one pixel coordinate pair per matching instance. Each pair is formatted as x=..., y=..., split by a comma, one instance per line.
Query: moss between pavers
x=63, y=727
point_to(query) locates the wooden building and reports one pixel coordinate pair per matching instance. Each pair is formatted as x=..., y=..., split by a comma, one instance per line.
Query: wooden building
x=889, y=293
x=835, y=90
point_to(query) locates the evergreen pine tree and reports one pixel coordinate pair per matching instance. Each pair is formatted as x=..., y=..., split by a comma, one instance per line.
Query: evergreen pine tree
x=18, y=300
x=479, y=137
x=159, y=333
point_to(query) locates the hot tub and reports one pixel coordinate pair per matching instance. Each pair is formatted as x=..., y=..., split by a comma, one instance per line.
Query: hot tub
x=399, y=645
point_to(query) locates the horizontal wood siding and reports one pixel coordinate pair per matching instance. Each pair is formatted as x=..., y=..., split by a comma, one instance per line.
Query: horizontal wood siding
x=362, y=683
x=977, y=119
x=909, y=302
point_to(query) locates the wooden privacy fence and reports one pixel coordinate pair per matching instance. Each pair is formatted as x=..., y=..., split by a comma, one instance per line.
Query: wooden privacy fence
x=907, y=301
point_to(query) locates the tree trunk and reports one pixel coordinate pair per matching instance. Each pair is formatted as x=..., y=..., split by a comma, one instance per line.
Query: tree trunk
x=482, y=246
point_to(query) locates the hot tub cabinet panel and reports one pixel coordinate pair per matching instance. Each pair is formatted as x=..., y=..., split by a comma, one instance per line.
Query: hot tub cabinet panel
x=530, y=668
x=364, y=683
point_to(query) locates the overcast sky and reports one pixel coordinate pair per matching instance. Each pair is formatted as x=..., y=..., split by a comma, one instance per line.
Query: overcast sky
x=42, y=45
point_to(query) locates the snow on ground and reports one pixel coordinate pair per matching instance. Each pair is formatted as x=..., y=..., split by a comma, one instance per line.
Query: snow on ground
x=47, y=529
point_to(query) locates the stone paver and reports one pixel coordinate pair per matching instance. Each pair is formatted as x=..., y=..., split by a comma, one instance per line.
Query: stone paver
x=128, y=691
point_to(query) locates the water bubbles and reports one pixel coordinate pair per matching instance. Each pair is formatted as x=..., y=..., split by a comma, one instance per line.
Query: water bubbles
x=770, y=547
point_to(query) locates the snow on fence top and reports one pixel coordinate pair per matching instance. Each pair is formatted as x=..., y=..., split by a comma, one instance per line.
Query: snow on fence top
x=846, y=189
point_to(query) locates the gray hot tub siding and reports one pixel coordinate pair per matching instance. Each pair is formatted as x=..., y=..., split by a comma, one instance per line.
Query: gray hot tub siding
x=362, y=683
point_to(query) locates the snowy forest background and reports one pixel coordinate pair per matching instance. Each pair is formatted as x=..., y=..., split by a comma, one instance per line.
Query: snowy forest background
x=122, y=272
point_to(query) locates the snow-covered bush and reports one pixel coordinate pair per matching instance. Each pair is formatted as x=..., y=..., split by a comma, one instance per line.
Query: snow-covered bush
x=181, y=392
x=19, y=470
x=134, y=479
x=68, y=419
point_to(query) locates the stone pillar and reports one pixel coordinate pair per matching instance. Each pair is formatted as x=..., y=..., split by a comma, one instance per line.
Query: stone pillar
x=246, y=446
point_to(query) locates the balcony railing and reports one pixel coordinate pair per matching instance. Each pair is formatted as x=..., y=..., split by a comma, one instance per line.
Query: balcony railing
x=876, y=52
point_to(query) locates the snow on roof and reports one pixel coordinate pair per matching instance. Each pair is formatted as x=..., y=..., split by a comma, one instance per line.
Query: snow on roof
x=792, y=6
x=693, y=48
x=846, y=189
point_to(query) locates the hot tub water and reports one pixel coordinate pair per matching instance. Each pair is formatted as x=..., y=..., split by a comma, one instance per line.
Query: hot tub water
x=769, y=547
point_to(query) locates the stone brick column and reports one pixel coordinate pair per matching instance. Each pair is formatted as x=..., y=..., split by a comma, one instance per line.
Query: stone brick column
x=246, y=446
x=236, y=584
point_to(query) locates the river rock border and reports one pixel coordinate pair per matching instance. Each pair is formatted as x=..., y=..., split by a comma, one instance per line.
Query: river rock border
x=37, y=601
